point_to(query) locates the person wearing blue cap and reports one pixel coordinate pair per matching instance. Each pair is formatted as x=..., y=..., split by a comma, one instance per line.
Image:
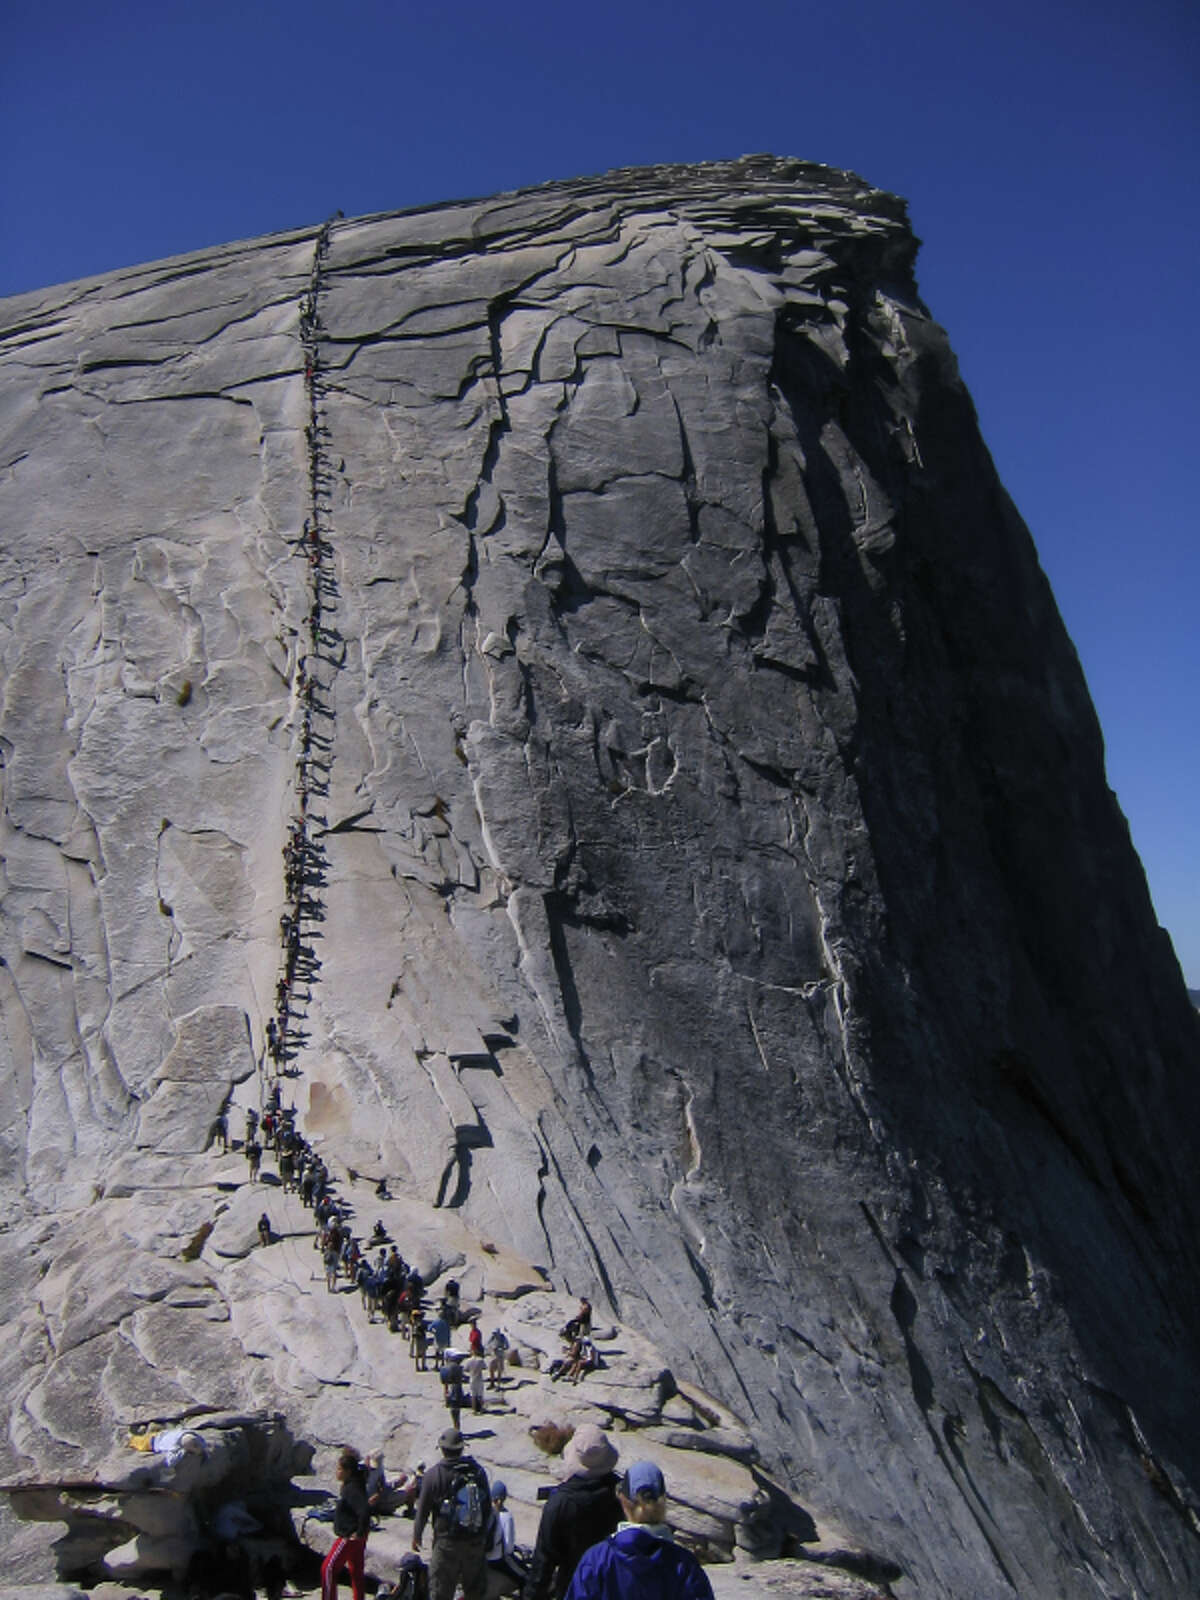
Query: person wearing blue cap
x=502, y=1552
x=640, y=1561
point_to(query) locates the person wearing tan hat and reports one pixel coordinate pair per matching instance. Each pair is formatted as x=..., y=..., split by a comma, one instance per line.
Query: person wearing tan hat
x=581, y=1511
x=641, y=1559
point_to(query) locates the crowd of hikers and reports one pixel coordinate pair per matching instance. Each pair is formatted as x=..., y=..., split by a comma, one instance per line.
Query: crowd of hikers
x=602, y=1535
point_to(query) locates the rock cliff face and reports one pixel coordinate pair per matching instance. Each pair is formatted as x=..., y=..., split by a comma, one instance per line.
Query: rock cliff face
x=713, y=894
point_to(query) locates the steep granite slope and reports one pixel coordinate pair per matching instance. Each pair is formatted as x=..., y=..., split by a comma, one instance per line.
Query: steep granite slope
x=716, y=897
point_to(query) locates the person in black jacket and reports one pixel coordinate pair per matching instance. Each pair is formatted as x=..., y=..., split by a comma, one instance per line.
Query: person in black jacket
x=351, y=1522
x=580, y=1512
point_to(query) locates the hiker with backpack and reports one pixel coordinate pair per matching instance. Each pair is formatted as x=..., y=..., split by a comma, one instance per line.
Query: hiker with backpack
x=455, y=1495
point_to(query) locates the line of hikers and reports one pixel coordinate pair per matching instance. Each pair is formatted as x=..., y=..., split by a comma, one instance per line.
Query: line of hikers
x=601, y=1536
x=389, y=1287
x=303, y=855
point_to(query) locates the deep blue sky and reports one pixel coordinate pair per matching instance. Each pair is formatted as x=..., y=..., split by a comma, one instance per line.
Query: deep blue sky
x=1048, y=152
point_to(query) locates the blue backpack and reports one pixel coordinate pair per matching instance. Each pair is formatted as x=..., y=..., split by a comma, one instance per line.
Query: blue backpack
x=465, y=1512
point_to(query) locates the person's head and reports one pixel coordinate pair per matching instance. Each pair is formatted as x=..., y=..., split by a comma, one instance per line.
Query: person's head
x=349, y=1462
x=499, y=1492
x=589, y=1453
x=643, y=1493
x=450, y=1443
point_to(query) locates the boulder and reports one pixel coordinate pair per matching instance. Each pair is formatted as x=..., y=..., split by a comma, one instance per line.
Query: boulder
x=711, y=900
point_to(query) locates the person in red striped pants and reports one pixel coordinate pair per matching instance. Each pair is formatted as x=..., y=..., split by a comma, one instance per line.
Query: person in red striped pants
x=351, y=1523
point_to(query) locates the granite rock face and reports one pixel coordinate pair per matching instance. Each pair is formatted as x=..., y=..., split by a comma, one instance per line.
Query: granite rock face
x=717, y=901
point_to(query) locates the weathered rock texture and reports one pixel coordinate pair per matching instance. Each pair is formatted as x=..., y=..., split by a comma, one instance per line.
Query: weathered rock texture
x=723, y=906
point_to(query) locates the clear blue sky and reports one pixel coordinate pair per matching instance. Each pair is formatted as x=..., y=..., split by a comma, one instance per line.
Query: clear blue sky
x=1049, y=153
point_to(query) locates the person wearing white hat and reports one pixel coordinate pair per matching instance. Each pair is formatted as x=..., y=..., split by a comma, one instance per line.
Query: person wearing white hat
x=641, y=1559
x=581, y=1511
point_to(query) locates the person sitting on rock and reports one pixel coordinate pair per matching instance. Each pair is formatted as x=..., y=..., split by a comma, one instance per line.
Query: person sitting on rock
x=580, y=1325
x=562, y=1365
x=582, y=1510
x=502, y=1552
x=377, y=1486
x=264, y=1229
x=407, y=1487
x=171, y=1443
x=641, y=1558
x=585, y=1360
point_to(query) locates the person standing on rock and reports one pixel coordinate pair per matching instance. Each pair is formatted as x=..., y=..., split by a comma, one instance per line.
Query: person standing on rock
x=475, y=1368
x=419, y=1340
x=580, y=1512
x=351, y=1523
x=641, y=1558
x=497, y=1347
x=439, y=1328
x=451, y=1375
x=455, y=1494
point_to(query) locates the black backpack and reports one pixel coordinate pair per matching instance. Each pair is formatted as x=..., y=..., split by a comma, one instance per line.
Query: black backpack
x=413, y=1582
x=465, y=1512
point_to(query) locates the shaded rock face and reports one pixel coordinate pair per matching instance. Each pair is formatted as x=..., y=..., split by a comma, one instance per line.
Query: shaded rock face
x=720, y=904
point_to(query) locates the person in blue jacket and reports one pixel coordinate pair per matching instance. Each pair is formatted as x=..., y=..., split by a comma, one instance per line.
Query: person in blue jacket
x=640, y=1561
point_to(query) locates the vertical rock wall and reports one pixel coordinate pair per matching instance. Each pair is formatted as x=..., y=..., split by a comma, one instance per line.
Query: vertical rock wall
x=724, y=906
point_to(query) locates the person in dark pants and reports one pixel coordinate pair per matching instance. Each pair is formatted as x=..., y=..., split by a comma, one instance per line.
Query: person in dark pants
x=580, y=1512
x=452, y=1387
x=351, y=1523
x=455, y=1494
